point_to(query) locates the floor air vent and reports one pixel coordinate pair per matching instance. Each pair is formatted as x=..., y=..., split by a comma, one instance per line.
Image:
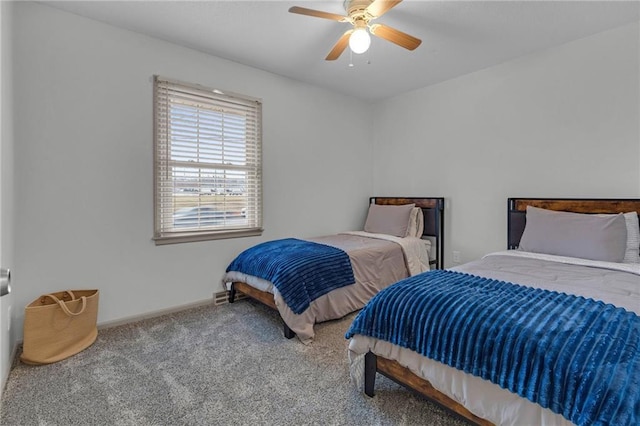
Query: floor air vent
x=222, y=297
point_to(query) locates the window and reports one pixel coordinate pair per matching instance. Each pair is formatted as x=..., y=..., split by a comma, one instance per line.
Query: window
x=208, y=173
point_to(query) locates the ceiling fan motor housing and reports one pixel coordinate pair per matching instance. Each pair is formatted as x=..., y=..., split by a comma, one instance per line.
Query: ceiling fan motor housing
x=356, y=9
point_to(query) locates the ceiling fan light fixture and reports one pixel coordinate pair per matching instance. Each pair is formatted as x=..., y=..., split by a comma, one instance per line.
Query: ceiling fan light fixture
x=359, y=41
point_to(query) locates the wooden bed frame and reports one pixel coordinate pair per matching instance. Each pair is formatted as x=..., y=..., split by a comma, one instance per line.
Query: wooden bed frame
x=433, y=212
x=516, y=219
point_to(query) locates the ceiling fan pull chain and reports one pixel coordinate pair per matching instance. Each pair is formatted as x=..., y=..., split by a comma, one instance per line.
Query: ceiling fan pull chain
x=350, y=58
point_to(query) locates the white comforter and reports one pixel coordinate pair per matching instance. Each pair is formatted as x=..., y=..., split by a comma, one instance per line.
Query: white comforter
x=612, y=283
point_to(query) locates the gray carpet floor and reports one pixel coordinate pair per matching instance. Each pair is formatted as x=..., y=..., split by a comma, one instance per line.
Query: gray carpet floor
x=212, y=365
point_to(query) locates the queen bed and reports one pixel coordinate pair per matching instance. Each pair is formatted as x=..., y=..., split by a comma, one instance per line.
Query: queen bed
x=319, y=279
x=545, y=333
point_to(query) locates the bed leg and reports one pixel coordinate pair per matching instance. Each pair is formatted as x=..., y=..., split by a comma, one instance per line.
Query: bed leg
x=370, y=367
x=288, y=333
x=232, y=294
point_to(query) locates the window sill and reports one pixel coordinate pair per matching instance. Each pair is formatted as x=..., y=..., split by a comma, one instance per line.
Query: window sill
x=191, y=237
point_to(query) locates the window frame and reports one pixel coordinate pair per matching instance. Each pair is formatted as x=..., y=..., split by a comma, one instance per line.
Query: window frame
x=162, y=146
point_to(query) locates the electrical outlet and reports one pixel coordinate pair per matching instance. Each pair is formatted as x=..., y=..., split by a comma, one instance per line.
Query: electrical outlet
x=456, y=257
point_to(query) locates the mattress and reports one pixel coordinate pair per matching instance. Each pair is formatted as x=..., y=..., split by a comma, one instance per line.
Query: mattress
x=377, y=261
x=609, y=283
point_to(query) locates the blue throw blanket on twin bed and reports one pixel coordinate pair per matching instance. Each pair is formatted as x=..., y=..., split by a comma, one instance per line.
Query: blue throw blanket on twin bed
x=301, y=270
x=576, y=356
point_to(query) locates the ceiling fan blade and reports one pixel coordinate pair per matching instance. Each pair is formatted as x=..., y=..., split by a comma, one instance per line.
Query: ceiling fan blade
x=318, y=14
x=395, y=36
x=380, y=7
x=339, y=47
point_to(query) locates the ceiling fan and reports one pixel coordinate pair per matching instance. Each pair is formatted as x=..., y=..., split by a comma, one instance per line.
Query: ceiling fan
x=359, y=14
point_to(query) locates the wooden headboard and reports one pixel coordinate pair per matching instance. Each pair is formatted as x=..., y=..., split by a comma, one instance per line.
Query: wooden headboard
x=433, y=212
x=517, y=207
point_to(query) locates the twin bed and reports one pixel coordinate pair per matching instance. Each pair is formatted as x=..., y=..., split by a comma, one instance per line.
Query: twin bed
x=487, y=349
x=402, y=237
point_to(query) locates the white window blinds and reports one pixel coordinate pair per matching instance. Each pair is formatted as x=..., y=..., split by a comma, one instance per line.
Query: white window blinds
x=208, y=173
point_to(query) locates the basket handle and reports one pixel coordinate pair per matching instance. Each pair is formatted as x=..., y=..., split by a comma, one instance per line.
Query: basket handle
x=65, y=308
x=69, y=292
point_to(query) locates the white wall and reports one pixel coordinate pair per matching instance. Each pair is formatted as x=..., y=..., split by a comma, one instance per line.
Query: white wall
x=7, y=343
x=559, y=123
x=83, y=163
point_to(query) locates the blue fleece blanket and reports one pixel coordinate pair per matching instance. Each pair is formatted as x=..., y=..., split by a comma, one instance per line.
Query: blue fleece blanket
x=301, y=270
x=576, y=356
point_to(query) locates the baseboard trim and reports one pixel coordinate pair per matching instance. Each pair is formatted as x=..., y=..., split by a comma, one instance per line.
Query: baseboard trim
x=13, y=359
x=14, y=353
x=154, y=314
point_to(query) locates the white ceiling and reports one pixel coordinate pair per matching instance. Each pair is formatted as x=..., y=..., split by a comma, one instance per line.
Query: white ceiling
x=458, y=37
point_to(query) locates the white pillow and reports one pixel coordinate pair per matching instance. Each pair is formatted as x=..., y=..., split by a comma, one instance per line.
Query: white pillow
x=632, y=253
x=416, y=223
x=388, y=219
x=575, y=235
